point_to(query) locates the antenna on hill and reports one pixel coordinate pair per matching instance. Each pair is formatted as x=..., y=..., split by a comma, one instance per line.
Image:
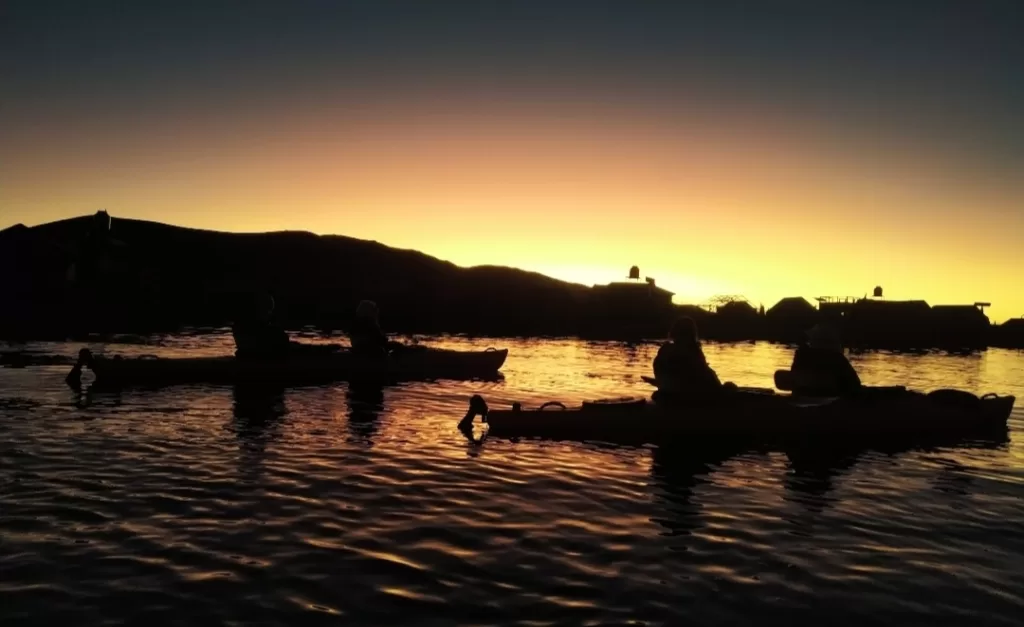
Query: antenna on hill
x=634, y=273
x=101, y=221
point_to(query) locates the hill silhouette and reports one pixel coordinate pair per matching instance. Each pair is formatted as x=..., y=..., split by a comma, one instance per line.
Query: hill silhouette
x=93, y=275
x=157, y=277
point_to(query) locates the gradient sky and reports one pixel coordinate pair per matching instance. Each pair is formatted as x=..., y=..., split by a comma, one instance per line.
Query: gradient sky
x=759, y=148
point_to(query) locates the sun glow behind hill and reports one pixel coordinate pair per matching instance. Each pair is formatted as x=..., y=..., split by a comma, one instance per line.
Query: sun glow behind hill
x=686, y=289
x=720, y=153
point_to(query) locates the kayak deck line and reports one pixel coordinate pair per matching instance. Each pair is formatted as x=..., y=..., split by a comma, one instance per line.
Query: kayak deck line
x=298, y=369
x=893, y=412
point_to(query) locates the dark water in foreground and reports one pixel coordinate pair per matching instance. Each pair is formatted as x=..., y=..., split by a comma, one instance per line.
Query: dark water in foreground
x=326, y=505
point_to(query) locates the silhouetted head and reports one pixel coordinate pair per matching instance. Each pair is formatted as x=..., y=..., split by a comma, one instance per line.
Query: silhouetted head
x=477, y=405
x=367, y=309
x=85, y=357
x=684, y=330
x=824, y=336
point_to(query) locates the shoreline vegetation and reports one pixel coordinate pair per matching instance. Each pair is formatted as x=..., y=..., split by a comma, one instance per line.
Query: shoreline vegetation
x=62, y=281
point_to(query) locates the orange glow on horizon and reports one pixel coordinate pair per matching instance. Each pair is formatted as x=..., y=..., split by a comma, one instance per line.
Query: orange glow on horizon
x=705, y=203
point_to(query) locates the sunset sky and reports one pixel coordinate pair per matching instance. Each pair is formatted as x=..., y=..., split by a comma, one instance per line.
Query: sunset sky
x=801, y=148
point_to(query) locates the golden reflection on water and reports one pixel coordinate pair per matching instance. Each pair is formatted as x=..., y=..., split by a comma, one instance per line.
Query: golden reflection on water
x=218, y=480
x=560, y=369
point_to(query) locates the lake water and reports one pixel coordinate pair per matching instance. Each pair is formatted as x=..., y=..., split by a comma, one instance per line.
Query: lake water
x=203, y=505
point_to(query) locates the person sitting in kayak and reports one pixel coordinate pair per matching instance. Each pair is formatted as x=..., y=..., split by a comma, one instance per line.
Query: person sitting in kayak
x=820, y=368
x=680, y=367
x=366, y=336
x=256, y=336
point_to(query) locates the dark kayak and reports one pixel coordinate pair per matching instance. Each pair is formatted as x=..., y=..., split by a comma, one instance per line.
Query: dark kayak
x=758, y=414
x=307, y=367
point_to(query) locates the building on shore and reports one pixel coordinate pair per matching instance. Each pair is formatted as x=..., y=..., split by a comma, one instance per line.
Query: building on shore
x=1009, y=334
x=629, y=309
x=700, y=315
x=633, y=294
x=863, y=322
x=874, y=322
x=735, y=319
x=789, y=319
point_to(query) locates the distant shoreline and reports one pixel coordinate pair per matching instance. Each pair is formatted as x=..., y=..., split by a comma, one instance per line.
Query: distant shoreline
x=310, y=333
x=145, y=277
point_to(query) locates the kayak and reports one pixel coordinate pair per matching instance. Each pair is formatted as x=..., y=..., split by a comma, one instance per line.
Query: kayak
x=304, y=368
x=754, y=413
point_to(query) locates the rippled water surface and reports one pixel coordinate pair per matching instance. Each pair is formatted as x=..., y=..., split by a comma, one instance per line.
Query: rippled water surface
x=207, y=505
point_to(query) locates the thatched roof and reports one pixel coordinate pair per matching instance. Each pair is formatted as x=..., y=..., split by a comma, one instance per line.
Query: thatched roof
x=792, y=305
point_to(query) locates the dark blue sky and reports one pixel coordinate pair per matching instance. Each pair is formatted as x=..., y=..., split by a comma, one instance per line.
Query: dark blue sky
x=900, y=66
